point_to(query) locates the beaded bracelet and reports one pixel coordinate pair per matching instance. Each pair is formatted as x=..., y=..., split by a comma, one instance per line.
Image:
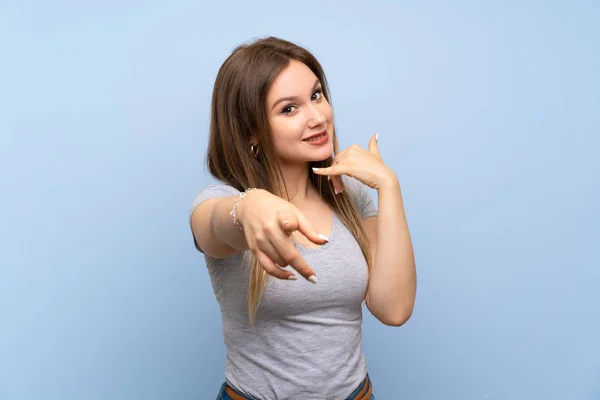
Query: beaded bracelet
x=233, y=212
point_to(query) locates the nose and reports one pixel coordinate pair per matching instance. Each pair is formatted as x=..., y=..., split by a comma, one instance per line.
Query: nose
x=316, y=117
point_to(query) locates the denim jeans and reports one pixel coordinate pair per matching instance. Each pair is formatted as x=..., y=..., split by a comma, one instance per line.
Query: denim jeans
x=223, y=396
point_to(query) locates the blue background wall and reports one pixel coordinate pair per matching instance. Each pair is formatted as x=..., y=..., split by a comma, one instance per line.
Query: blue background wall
x=487, y=112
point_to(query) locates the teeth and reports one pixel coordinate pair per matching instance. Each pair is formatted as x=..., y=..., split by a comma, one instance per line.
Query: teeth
x=315, y=138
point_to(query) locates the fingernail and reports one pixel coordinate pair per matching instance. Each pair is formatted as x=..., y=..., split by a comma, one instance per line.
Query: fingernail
x=313, y=279
x=377, y=137
x=328, y=177
x=292, y=277
x=316, y=169
x=323, y=237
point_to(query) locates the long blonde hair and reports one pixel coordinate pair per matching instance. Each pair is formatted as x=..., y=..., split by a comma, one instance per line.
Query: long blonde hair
x=238, y=112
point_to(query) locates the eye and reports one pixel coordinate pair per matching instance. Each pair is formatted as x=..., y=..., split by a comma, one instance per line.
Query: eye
x=317, y=94
x=288, y=109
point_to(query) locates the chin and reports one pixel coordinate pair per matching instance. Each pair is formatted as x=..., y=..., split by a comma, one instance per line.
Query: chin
x=321, y=154
x=311, y=155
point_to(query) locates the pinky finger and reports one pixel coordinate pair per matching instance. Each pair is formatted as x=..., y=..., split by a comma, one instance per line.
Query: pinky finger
x=273, y=269
x=338, y=184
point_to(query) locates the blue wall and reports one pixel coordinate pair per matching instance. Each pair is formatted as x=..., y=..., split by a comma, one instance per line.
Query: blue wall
x=487, y=112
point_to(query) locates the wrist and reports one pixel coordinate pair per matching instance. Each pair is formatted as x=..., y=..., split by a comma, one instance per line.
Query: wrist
x=237, y=211
x=389, y=182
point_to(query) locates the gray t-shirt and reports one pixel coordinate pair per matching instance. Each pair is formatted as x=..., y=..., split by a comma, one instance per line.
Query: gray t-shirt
x=306, y=342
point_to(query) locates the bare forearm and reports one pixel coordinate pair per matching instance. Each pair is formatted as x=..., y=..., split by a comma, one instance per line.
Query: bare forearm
x=392, y=286
x=223, y=227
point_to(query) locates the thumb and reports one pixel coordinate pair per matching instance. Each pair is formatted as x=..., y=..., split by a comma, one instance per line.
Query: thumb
x=309, y=230
x=373, y=146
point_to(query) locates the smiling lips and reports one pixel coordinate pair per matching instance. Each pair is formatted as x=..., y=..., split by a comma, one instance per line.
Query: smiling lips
x=317, y=139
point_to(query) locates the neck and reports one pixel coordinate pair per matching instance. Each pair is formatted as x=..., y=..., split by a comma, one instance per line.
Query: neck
x=297, y=183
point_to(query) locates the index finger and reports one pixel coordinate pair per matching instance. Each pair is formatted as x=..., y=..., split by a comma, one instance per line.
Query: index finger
x=305, y=227
x=293, y=258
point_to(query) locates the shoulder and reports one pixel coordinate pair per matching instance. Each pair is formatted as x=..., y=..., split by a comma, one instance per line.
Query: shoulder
x=219, y=188
x=355, y=189
x=360, y=195
x=353, y=185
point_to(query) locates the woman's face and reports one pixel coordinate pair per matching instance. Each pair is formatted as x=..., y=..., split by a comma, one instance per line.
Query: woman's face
x=297, y=110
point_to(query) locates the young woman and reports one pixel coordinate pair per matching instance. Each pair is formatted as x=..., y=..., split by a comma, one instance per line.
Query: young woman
x=291, y=204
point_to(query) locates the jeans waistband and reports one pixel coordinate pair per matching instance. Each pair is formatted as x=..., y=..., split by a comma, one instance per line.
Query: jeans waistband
x=362, y=392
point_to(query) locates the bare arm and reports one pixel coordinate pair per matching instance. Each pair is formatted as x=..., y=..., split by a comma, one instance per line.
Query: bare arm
x=214, y=230
x=392, y=285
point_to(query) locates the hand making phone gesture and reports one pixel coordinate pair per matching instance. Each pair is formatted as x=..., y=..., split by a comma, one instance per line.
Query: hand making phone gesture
x=364, y=165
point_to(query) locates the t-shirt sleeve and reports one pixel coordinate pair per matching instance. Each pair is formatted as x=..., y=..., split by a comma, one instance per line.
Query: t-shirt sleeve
x=359, y=192
x=210, y=192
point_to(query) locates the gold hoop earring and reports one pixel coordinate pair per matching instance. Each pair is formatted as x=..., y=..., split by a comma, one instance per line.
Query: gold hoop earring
x=255, y=152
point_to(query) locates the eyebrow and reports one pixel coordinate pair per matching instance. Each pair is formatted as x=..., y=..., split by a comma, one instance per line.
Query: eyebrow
x=317, y=82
